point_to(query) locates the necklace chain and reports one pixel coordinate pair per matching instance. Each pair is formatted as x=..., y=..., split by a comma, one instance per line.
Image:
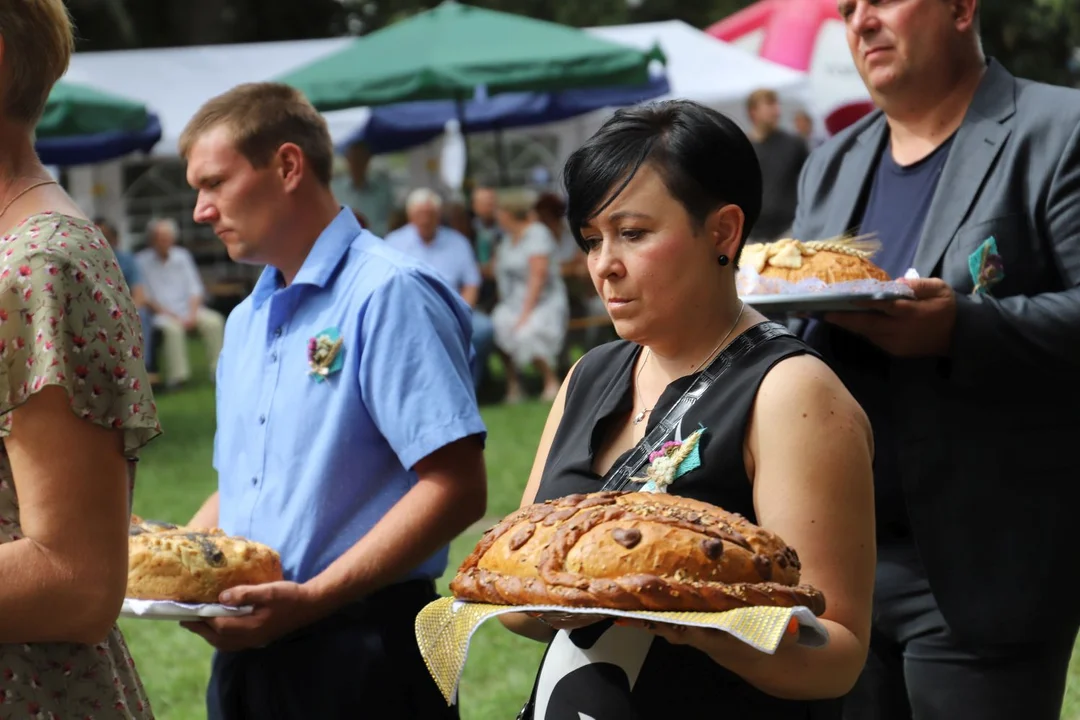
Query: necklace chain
x=23, y=192
x=648, y=354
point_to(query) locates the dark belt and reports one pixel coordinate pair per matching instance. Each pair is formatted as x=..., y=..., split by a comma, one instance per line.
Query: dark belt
x=400, y=601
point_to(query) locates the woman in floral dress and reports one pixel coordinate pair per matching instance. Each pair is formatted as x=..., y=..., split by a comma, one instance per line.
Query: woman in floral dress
x=75, y=407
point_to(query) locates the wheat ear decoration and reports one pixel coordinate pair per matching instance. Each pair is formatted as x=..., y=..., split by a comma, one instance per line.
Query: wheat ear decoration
x=862, y=246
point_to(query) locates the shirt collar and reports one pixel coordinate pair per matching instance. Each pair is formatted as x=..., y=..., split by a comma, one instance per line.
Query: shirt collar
x=321, y=262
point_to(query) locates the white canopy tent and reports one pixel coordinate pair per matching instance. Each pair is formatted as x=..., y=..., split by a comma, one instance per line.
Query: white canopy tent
x=175, y=82
x=699, y=68
x=707, y=70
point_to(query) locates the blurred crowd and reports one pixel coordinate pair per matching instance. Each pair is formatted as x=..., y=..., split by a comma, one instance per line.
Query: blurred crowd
x=507, y=251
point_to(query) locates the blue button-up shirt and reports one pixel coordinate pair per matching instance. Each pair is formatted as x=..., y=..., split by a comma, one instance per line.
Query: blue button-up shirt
x=449, y=254
x=309, y=467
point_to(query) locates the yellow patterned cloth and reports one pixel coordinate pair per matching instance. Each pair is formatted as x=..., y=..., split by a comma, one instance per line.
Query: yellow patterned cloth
x=445, y=628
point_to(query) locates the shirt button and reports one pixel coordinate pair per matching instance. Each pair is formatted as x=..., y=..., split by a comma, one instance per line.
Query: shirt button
x=273, y=357
x=254, y=481
x=262, y=419
x=277, y=333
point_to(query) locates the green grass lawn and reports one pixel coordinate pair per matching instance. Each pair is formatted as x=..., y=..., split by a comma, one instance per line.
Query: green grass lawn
x=176, y=476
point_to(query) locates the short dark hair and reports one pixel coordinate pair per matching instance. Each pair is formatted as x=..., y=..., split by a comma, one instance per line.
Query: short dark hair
x=702, y=157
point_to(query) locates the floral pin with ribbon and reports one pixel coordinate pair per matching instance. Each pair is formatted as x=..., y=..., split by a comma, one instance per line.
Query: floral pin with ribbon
x=673, y=460
x=986, y=267
x=324, y=354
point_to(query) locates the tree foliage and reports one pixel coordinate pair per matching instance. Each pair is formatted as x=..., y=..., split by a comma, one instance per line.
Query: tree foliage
x=1033, y=38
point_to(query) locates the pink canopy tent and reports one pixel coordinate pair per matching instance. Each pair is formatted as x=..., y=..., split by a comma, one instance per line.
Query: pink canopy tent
x=805, y=35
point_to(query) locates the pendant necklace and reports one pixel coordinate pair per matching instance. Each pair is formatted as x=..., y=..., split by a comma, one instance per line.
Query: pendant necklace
x=648, y=354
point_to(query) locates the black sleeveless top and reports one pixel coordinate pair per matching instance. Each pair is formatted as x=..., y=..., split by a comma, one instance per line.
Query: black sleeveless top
x=606, y=672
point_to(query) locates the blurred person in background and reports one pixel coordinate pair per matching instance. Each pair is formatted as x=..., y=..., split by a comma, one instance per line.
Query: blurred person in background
x=176, y=296
x=359, y=465
x=804, y=126
x=532, y=311
x=486, y=231
x=130, y=270
x=450, y=255
x=551, y=211
x=456, y=217
x=781, y=155
x=75, y=409
x=370, y=194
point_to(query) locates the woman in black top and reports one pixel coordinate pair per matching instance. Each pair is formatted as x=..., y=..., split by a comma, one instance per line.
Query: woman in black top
x=661, y=199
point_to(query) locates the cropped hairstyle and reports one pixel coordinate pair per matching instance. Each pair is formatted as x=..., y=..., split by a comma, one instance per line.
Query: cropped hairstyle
x=704, y=160
x=262, y=117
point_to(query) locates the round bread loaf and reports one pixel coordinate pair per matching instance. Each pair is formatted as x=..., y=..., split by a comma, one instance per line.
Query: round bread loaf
x=184, y=565
x=632, y=551
x=830, y=267
x=828, y=261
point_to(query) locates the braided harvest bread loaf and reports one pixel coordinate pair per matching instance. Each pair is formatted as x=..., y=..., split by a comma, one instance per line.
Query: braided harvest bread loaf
x=632, y=551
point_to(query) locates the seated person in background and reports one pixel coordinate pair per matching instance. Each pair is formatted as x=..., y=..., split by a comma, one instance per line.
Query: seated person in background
x=533, y=310
x=486, y=231
x=551, y=211
x=451, y=256
x=456, y=217
x=175, y=294
x=130, y=270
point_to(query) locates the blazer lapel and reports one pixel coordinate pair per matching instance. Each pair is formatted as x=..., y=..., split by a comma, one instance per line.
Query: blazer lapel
x=855, y=175
x=976, y=146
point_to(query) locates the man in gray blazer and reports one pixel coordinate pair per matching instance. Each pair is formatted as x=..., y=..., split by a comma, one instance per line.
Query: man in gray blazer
x=972, y=178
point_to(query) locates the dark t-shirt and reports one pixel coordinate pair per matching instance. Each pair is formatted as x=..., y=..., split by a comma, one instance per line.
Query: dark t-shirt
x=781, y=156
x=896, y=209
x=612, y=673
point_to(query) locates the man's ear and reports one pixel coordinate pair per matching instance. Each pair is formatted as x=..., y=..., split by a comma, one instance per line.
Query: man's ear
x=965, y=14
x=291, y=165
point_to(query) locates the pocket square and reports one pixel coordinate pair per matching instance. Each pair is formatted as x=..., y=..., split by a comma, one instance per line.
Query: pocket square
x=986, y=266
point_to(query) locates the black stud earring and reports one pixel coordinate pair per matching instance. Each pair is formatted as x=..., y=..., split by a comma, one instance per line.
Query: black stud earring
x=723, y=260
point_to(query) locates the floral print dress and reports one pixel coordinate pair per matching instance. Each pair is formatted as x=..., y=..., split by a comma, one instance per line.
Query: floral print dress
x=67, y=319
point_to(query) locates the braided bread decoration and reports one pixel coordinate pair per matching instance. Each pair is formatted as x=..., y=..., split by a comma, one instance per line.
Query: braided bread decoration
x=632, y=551
x=831, y=261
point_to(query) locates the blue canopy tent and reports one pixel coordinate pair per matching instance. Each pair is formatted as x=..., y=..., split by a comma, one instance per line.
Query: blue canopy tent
x=392, y=128
x=98, y=147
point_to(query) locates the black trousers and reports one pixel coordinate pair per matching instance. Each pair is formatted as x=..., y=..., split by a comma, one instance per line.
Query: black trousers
x=919, y=670
x=363, y=662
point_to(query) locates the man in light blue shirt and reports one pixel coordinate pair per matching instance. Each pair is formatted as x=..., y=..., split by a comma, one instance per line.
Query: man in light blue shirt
x=348, y=437
x=449, y=254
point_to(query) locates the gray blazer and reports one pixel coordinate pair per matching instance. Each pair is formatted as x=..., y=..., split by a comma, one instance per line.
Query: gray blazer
x=990, y=435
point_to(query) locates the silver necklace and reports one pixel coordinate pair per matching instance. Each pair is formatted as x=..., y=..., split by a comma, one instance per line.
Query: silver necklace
x=648, y=354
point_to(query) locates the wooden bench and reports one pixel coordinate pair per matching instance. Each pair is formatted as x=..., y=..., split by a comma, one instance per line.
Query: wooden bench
x=591, y=321
x=580, y=324
x=228, y=289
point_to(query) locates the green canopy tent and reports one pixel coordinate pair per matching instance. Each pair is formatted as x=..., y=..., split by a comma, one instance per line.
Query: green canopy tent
x=457, y=52
x=74, y=109
x=447, y=53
